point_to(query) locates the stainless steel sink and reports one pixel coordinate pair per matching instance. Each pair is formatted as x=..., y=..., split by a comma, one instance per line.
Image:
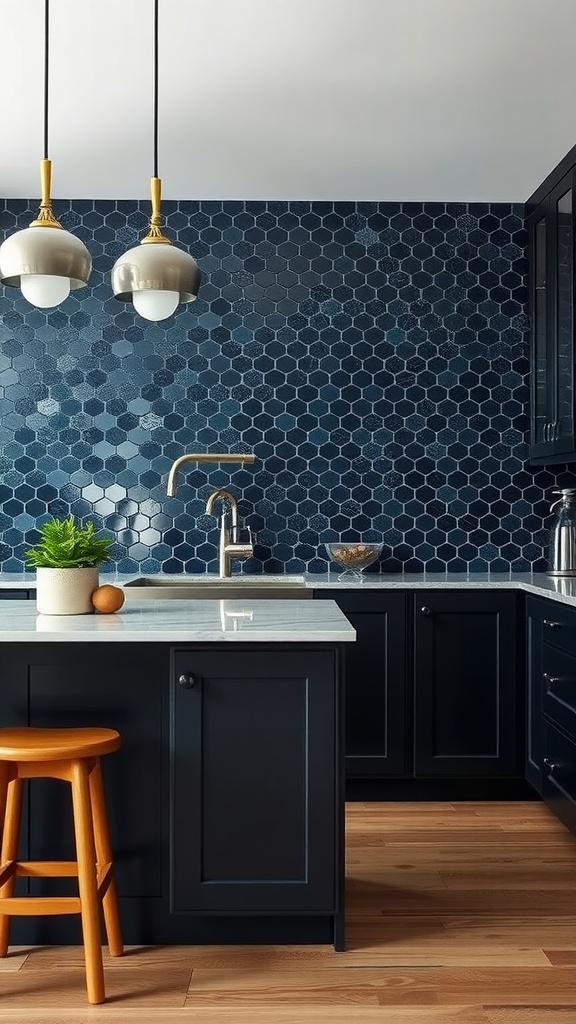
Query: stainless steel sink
x=156, y=588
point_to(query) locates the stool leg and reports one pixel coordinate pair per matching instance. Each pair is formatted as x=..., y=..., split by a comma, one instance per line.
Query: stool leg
x=7, y=808
x=104, y=856
x=10, y=838
x=87, y=884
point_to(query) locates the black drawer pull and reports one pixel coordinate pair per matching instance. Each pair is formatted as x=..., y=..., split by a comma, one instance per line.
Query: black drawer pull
x=550, y=765
x=187, y=681
x=551, y=624
x=426, y=611
x=550, y=680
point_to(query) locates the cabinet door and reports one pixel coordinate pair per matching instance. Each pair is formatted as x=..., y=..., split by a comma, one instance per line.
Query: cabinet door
x=117, y=686
x=541, y=351
x=375, y=682
x=551, y=289
x=559, y=775
x=534, y=726
x=254, y=781
x=465, y=686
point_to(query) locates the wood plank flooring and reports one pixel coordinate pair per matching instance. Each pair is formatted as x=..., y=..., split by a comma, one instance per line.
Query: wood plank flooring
x=458, y=914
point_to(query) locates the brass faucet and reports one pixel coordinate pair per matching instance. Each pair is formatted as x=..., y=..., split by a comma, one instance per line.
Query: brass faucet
x=229, y=547
x=237, y=457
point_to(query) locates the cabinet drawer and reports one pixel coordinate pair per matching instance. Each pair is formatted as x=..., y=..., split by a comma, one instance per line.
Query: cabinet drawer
x=559, y=776
x=559, y=687
x=559, y=627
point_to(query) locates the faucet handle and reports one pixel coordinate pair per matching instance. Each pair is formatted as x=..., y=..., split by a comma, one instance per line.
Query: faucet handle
x=238, y=536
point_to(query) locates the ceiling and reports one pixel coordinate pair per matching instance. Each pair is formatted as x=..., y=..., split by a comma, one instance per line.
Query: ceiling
x=462, y=100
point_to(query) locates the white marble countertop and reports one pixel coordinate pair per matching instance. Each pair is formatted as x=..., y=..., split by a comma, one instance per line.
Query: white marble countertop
x=558, y=588
x=181, y=622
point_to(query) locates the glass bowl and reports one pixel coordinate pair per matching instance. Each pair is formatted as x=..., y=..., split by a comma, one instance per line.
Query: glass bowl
x=353, y=556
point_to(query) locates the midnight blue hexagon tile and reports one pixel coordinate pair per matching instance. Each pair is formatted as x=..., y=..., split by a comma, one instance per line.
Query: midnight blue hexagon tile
x=373, y=356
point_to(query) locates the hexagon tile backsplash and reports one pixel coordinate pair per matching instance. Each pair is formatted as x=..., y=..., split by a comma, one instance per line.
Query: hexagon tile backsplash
x=372, y=355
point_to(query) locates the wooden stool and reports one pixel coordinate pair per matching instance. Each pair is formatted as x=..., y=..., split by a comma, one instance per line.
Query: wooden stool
x=74, y=756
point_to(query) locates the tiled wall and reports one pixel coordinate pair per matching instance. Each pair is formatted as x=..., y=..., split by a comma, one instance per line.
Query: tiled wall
x=373, y=356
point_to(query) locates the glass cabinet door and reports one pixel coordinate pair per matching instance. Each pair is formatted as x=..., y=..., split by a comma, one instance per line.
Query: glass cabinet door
x=563, y=315
x=541, y=391
x=551, y=266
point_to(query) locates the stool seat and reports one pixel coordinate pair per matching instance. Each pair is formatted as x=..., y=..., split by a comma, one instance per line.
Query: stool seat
x=28, y=744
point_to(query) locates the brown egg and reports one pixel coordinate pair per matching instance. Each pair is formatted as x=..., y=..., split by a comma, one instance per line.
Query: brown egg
x=107, y=598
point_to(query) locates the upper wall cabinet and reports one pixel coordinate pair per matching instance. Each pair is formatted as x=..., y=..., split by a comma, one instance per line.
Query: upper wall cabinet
x=551, y=216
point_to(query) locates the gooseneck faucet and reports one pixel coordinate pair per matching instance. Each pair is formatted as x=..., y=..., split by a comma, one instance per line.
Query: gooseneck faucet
x=229, y=546
x=237, y=457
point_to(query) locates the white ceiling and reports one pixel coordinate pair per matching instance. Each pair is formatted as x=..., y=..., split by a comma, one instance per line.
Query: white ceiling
x=418, y=100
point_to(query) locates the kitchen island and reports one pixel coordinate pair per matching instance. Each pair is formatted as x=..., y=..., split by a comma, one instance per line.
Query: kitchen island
x=226, y=799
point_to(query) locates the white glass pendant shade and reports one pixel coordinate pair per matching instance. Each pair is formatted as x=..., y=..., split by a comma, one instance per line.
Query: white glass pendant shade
x=154, y=304
x=44, y=290
x=44, y=252
x=158, y=270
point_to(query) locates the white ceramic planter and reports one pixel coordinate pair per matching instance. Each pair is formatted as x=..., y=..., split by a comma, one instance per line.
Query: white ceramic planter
x=65, y=591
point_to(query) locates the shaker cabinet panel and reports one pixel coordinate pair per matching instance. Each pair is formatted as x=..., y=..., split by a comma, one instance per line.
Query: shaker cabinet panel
x=465, y=692
x=534, y=674
x=375, y=682
x=253, y=769
x=559, y=775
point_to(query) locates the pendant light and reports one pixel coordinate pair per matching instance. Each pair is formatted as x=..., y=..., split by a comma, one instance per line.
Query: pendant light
x=155, y=276
x=44, y=261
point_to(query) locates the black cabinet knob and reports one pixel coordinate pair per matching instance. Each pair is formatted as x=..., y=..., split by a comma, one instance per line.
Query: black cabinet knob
x=551, y=624
x=187, y=681
x=550, y=765
x=426, y=611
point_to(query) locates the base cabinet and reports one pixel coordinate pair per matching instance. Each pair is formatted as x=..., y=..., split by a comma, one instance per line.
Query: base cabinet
x=225, y=799
x=253, y=795
x=551, y=765
x=559, y=775
x=534, y=683
x=465, y=684
x=431, y=687
x=375, y=683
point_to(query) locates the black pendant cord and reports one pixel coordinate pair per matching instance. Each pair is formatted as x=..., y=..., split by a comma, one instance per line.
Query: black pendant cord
x=155, y=88
x=46, y=37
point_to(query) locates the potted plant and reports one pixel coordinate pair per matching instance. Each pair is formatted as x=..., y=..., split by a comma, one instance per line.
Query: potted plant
x=66, y=559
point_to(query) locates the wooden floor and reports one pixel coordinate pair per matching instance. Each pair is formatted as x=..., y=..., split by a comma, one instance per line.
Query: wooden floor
x=458, y=914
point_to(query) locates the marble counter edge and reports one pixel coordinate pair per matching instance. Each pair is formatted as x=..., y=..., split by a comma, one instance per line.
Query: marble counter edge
x=184, y=621
x=558, y=589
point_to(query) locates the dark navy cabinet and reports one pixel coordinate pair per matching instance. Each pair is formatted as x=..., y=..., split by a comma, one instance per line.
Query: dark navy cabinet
x=375, y=682
x=431, y=687
x=225, y=799
x=465, y=699
x=535, y=613
x=551, y=215
x=254, y=796
x=552, y=698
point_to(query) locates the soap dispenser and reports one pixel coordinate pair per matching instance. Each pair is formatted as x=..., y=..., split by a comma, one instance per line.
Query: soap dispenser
x=562, y=550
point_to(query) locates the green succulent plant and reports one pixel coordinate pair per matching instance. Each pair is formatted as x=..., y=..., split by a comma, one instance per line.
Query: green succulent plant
x=65, y=544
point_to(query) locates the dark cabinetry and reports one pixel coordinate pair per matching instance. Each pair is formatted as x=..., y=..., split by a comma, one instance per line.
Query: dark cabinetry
x=431, y=684
x=551, y=212
x=254, y=794
x=113, y=685
x=465, y=692
x=375, y=682
x=535, y=611
x=225, y=799
x=551, y=763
